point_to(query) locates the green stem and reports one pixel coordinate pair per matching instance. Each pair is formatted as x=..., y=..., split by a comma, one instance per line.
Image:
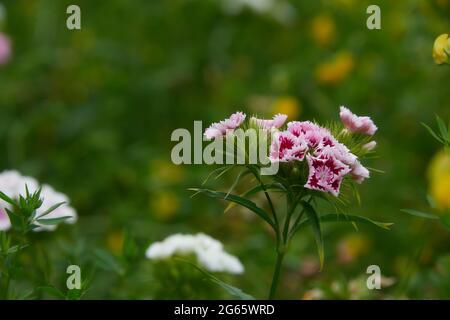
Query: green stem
x=276, y=274
x=290, y=211
x=298, y=220
x=269, y=200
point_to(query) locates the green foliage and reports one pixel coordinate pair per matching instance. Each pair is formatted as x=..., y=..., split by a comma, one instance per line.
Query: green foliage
x=24, y=219
x=233, y=291
x=443, y=135
x=91, y=112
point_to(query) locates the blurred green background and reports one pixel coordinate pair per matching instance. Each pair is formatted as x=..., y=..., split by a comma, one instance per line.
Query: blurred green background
x=91, y=111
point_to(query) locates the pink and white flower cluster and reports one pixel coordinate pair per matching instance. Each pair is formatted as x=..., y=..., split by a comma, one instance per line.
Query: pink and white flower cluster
x=329, y=161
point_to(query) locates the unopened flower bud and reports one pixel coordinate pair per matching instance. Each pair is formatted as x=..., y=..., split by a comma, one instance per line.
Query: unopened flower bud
x=370, y=146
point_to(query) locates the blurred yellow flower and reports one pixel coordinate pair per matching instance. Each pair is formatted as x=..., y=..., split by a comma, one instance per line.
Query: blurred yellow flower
x=441, y=49
x=166, y=172
x=322, y=29
x=287, y=105
x=114, y=241
x=439, y=177
x=336, y=70
x=351, y=248
x=164, y=205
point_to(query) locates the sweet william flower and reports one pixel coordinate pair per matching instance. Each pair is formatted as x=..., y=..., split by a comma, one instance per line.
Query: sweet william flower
x=441, y=49
x=288, y=147
x=328, y=164
x=356, y=124
x=329, y=161
x=220, y=129
x=325, y=174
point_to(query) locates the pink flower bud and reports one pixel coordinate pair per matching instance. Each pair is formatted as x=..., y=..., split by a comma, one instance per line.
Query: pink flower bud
x=355, y=124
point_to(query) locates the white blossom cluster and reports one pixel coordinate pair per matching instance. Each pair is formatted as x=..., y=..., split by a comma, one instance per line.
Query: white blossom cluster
x=280, y=10
x=12, y=183
x=209, y=252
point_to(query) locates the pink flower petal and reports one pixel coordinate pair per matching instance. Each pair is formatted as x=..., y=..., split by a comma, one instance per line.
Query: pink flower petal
x=217, y=130
x=359, y=173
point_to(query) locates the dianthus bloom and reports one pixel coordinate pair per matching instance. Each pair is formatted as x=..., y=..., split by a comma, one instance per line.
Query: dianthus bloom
x=5, y=49
x=12, y=183
x=277, y=121
x=355, y=124
x=223, y=127
x=208, y=251
x=329, y=161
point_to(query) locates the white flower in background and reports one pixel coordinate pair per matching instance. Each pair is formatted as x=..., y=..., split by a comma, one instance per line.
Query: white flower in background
x=209, y=252
x=280, y=10
x=12, y=183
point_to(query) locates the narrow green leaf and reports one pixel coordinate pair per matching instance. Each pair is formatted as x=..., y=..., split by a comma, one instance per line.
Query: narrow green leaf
x=7, y=199
x=52, y=221
x=25, y=295
x=315, y=222
x=254, y=190
x=233, y=291
x=27, y=192
x=236, y=181
x=228, y=168
x=108, y=262
x=419, y=214
x=51, y=209
x=237, y=199
x=431, y=201
x=14, y=218
x=334, y=217
x=213, y=172
x=432, y=133
x=16, y=248
x=442, y=128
